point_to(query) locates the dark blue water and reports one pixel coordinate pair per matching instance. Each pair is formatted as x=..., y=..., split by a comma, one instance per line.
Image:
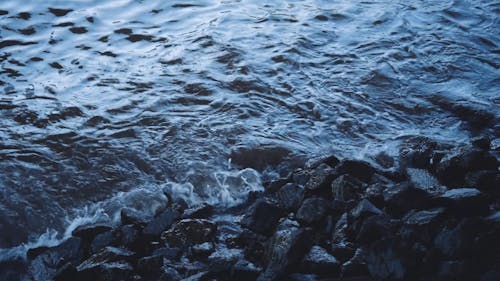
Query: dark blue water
x=107, y=103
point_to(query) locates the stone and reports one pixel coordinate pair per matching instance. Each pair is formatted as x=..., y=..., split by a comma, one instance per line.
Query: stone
x=168, y=253
x=358, y=169
x=202, y=251
x=290, y=196
x=320, y=262
x=373, y=228
x=465, y=201
x=343, y=251
x=389, y=259
x=88, y=232
x=313, y=210
x=161, y=222
x=102, y=240
x=461, y=240
x=109, y=271
x=169, y=274
x=422, y=218
x=484, y=180
x=202, y=211
x=302, y=277
x=223, y=259
x=190, y=232
x=404, y=197
x=320, y=179
x=330, y=160
x=129, y=235
x=106, y=255
x=356, y=266
x=150, y=266
x=66, y=272
x=287, y=247
x=131, y=216
x=262, y=217
x=346, y=188
x=244, y=270
x=364, y=209
x=417, y=152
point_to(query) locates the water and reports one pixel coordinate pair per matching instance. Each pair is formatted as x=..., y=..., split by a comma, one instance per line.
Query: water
x=109, y=103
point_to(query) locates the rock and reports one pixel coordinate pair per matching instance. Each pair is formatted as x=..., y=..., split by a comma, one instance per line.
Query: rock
x=343, y=251
x=313, y=210
x=202, y=251
x=465, y=201
x=452, y=169
x=131, y=216
x=160, y=223
x=32, y=253
x=346, y=188
x=66, y=272
x=358, y=169
x=301, y=177
x=424, y=217
x=111, y=271
x=484, y=180
x=320, y=262
x=223, y=259
x=168, y=253
x=481, y=142
x=244, y=270
x=461, y=240
x=422, y=179
x=88, y=232
x=302, y=277
x=189, y=232
x=340, y=231
x=201, y=276
x=356, y=266
x=45, y=264
x=106, y=255
x=417, y=152
x=404, y=197
x=169, y=274
x=289, y=196
x=129, y=235
x=262, y=217
x=492, y=275
x=389, y=259
x=287, y=247
x=102, y=240
x=202, y=211
x=331, y=161
x=320, y=179
x=150, y=266
x=375, y=193
x=365, y=208
x=373, y=228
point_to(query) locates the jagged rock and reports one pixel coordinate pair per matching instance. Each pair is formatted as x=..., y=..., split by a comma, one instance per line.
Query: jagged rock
x=44, y=266
x=404, y=197
x=169, y=274
x=373, y=228
x=460, y=240
x=290, y=196
x=346, y=188
x=201, y=276
x=364, y=209
x=301, y=177
x=424, y=217
x=330, y=160
x=320, y=179
x=162, y=222
x=102, y=240
x=287, y=247
x=356, y=168
x=109, y=264
x=262, y=217
x=223, y=259
x=66, y=272
x=320, y=262
x=465, y=201
x=106, y=255
x=202, y=251
x=481, y=142
x=340, y=231
x=190, y=232
x=389, y=259
x=150, y=266
x=202, y=211
x=375, y=193
x=422, y=179
x=484, y=180
x=88, y=232
x=244, y=270
x=343, y=251
x=129, y=235
x=131, y=216
x=313, y=210
x=356, y=266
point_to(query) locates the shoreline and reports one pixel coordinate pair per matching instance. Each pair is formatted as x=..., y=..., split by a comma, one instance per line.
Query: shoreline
x=435, y=217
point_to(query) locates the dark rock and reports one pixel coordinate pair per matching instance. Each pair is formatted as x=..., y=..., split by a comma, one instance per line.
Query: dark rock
x=482, y=142
x=417, y=152
x=492, y=275
x=460, y=241
x=129, y=235
x=404, y=197
x=44, y=265
x=389, y=259
x=223, y=259
x=340, y=231
x=34, y=252
x=262, y=217
x=320, y=179
x=169, y=274
x=343, y=251
x=320, y=262
x=485, y=180
x=331, y=161
x=422, y=179
x=259, y=158
x=244, y=270
x=150, y=266
x=190, y=232
x=112, y=271
x=160, y=223
x=364, y=209
x=88, y=232
x=454, y=270
x=346, y=188
x=287, y=247
x=302, y=277
x=313, y=210
x=131, y=216
x=421, y=218
x=168, y=253
x=201, y=276
x=375, y=193
x=102, y=240
x=358, y=169
x=13, y=269
x=290, y=196
x=356, y=266
x=202, y=211
x=252, y=243
x=373, y=228
x=202, y=251
x=301, y=177
x=66, y=272
x=106, y=255
x=452, y=169
x=465, y=201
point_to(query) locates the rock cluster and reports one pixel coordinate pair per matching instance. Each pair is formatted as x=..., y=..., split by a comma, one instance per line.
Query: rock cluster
x=436, y=217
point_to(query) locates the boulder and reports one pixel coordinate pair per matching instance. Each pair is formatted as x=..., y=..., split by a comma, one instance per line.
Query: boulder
x=404, y=197
x=465, y=201
x=161, y=222
x=129, y=235
x=244, y=270
x=389, y=259
x=287, y=247
x=169, y=274
x=356, y=266
x=365, y=208
x=109, y=264
x=222, y=259
x=131, y=216
x=346, y=188
x=343, y=251
x=190, y=232
x=417, y=152
x=150, y=266
x=202, y=211
x=461, y=240
x=88, y=232
x=358, y=169
x=330, y=160
x=289, y=196
x=202, y=251
x=373, y=228
x=102, y=240
x=263, y=217
x=484, y=180
x=422, y=225
x=313, y=210
x=320, y=179
x=320, y=262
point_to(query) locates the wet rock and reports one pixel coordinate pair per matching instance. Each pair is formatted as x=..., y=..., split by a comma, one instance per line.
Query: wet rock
x=389, y=259
x=375, y=193
x=320, y=180
x=244, y=270
x=481, y=142
x=168, y=253
x=111, y=271
x=320, y=262
x=189, y=232
x=169, y=274
x=259, y=158
x=302, y=277
x=492, y=275
x=59, y=12
x=34, y=252
x=343, y=251
x=102, y=240
x=66, y=272
x=364, y=209
x=88, y=232
x=131, y=216
x=287, y=247
x=417, y=152
x=373, y=228
x=129, y=235
x=201, y=276
x=358, y=169
x=301, y=177
x=202, y=211
x=404, y=197
x=313, y=210
x=223, y=259
x=460, y=241
x=465, y=201
x=202, y=251
x=422, y=225
x=346, y=188
x=331, y=161
x=150, y=266
x=161, y=222
x=262, y=217
x=289, y=196
x=421, y=218
x=44, y=265
x=485, y=180
x=422, y=179
x=106, y=255
x=356, y=266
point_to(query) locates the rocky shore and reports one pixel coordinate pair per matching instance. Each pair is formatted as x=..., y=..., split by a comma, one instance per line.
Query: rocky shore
x=436, y=216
